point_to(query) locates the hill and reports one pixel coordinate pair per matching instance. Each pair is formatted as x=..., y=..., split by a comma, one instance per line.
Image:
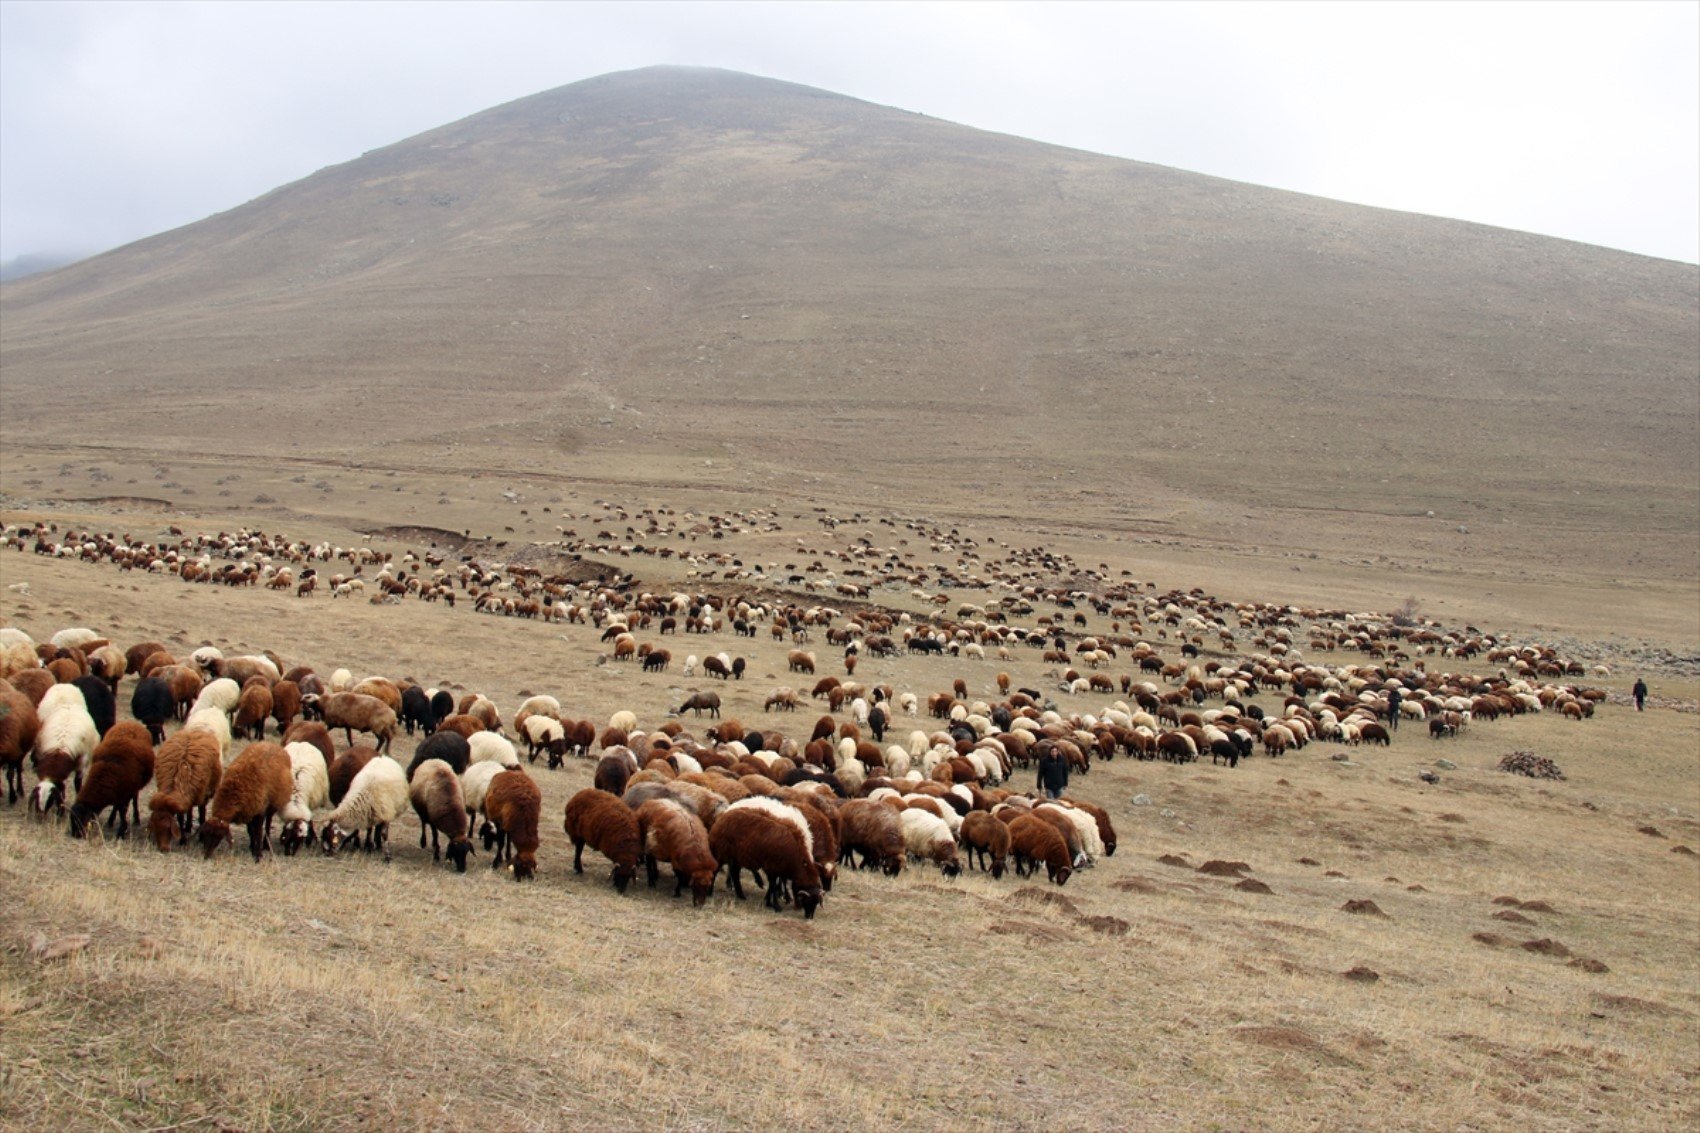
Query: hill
x=693, y=276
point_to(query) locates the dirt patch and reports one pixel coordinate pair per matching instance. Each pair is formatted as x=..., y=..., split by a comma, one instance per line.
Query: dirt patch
x=1218, y=868
x=1586, y=964
x=1292, y=1040
x=1252, y=885
x=1109, y=926
x=1174, y=860
x=1362, y=907
x=1682, y=850
x=1309, y=861
x=1546, y=946
x=1415, y=889
x=1450, y=817
x=1633, y=1005
x=1361, y=974
x=1136, y=885
x=1650, y=831
x=1032, y=895
x=1333, y=873
x=1041, y=933
x=1538, y=907
x=1513, y=917
x=1491, y=939
x=1511, y=901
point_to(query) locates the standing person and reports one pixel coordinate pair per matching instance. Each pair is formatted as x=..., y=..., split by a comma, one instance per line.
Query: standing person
x=1394, y=699
x=1053, y=773
x=1640, y=694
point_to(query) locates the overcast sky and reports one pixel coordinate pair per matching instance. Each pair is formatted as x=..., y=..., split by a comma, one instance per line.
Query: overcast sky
x=122, y=119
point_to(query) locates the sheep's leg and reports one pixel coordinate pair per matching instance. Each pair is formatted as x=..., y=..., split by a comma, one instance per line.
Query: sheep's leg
x=254, y=841
x=578, y=857
x=652, y=869
x=737, y=879
x=384, y=839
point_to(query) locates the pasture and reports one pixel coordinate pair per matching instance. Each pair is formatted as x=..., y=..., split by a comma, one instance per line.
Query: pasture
x=1522, y=953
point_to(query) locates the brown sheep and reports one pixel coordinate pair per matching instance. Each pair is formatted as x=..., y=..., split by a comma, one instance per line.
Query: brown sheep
x=874, y=829
x=514, y=807
x=614, y=770
x=441, y=807
x=33, y=684
x=253, y=709
x=311, y=732
x=1032, y=840
x=981, y=834
x=757, y=841
x=700, y=702
x=1070, y=834
x=352, y=711
x=466, y=726
x=380, y=689
x=343, y=768
x=256, y=785
x=120, y=767
x=286, y=704
x=18, y=728
x=607, y=825
x=137, y=655
x=672, y=833
x=187, y=770
x=185, y=685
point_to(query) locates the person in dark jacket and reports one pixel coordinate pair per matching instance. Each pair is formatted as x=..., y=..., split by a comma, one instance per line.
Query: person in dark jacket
x=1640, y=694
x=1394, y=698
x=1053, y=773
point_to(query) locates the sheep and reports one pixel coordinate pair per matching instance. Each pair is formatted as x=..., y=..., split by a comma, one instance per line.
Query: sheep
x=450, y=747
x=355, y=711
x=756, y=840
x=488, y=747
x=873, y=829
x=441, y=806
x=983, y=835
x=600, y=820
x=927, y=838
x=18, y=727
x=121, y=766
x=311, y=776
x=63, y=745
x=98, y=699
x=153, y=705
x=416, y=710
x=474, y=785
x=623, y=721
x=214, y=723
x=374, y=799
x=513, y=805
x=187, y=770
x=253, y=709
x=222, y=694
x=185, y=685
x=672, y=833
x=1085, y=828
x=614, y=770
x=543, y=733
x=700, y=702
x=255, y=786
x=1032, y=840
x=1101, y=818
x=343, y=769
x=311, y=732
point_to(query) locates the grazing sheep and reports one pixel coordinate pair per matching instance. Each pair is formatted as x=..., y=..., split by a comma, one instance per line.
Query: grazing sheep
x=450, y=747
x=1101, y=818
x=1085, y=827
x=222, y=694
x=441, y=806
x=311, y=732
x=774, y=847
x=416, y=710
x=672, y=833
x=514, y=806
x=601, y=821
x=375, y=798
x=98, y=699
x=474, y=785
x=927, y=838
x=700, y=702
x=253, y=709
x=982, y=834
x=614, y=770
x=344, y=768
x=355, y=711
x=543, y=733
x=153, y=704
x=187, y=770
x=255, y=786
x=488, y=747
x=121, y=766
x=18, y=727
x=63, y=746
x=1032, y=840
x=311, y=776
x=873, y=829
x=215, y=723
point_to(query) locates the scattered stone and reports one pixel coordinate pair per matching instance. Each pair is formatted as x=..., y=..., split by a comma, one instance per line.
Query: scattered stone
x=1340, y=757
x=1361, y=974
x=1446, y=765
x=1252, y=885
x=1142, y=800
x=1530, y=764
x=1513, y=917
x=1428, y=777
x=1167, y=813
x=1218, y=868
x=1546, y=947
x=1362, y=907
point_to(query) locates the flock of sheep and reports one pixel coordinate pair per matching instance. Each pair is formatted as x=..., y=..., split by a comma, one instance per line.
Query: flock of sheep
x=790, y=811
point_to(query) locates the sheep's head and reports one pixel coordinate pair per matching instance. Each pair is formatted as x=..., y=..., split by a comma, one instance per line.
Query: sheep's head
x=702, y=885
x=213, y=832
x=335, y=838
x=1062, y=875
x=808, y=900
x=459, y=848
x=49, y=794
x=623, y=875
x=297, y=832
x=525, y=865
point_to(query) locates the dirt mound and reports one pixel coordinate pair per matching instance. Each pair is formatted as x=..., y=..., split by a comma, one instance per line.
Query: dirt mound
x=1650, y=831
x=1538, y=907
x=1530, y=764
x=1506, y=900
x=1040, y=933
x=1597, y=967
x=1252, y=885
x=1292, y=1040
x=1136, y=885
x=1218, y=868
x=1491, y=939
x=1031, y=895
x=1361, y=974
x=1309, y=861
x=1682, y=850
x=1512, y=917
x=1109, y=926
x=1363, y=907
x=1174, y=860
x=1546, y=946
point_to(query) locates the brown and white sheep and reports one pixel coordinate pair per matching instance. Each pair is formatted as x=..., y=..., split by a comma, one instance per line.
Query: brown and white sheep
x=514, y=807
x=756, y=840
x=601, y=821
x=673, y=833
x=376, y=798
x=255, y=786
x=187, y=769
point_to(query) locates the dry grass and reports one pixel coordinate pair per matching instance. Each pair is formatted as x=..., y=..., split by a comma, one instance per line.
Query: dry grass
x=317, y=994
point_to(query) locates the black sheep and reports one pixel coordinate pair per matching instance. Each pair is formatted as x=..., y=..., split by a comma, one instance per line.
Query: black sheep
x=153, y=704
x=450, y=747
x=103, y=706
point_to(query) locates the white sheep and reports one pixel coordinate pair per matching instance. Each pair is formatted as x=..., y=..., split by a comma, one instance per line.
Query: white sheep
x=909, y=703
x=1091, y=842
x=488, y=747
x=59, y=698
x=312, y=791
x=624, y=720
x=927, y=836
x=342, y=680
x=223, y=694
x=216, y=722
x=74, y=638
x=475, y=784
x=63, y=745
x=377, y=795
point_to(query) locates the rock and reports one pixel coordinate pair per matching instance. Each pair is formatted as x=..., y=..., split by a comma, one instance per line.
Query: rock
x=1446, y=765
x=1142, y=800
x=1167, y=813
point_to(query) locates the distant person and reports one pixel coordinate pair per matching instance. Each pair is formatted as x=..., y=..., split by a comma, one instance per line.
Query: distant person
x=1053, y=773
x=1394, y=699
x=1640, y=694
